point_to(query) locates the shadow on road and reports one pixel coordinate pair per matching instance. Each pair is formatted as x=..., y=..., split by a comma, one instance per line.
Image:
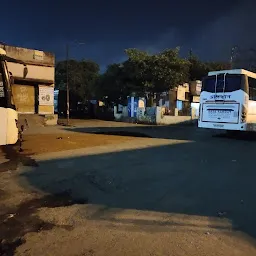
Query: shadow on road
x=178, y=131
x=206, y=176
x=181, y=131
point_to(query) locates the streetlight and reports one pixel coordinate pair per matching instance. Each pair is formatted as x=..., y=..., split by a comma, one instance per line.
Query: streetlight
x=67, y=82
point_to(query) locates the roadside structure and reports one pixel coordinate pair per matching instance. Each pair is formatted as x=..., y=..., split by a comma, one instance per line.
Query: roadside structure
x=33, y=89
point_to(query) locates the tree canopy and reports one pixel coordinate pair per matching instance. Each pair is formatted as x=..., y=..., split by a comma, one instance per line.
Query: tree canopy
x=82, y=77
x=141, y=73
x=198, y=69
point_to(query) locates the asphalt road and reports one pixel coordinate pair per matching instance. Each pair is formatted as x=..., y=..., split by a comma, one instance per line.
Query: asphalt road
x=184, y=191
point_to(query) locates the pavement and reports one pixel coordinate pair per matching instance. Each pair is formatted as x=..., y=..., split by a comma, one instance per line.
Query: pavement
x=180, y=191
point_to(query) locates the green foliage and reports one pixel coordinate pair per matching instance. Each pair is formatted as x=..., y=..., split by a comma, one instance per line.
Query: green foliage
x=159, y=72
x=82, y=77
x=199, y=69
x=141, y=73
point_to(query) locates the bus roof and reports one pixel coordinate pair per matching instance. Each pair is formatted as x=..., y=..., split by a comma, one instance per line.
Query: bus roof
x=233, y=71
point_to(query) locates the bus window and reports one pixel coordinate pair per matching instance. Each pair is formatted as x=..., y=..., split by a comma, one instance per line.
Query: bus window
x=2, y=92
x=252, y=88
x=232, y=83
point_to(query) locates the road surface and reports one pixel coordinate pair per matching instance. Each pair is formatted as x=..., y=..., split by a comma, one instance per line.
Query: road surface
x=178, y=191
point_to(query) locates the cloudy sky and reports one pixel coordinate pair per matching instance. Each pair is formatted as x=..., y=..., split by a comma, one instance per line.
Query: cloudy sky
x=107, y=27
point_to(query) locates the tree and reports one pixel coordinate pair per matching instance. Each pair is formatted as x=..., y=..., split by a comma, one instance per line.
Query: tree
x=199, y=69
x=143, y=73
x=82, y=77
x=159, y=72
x=109, y=85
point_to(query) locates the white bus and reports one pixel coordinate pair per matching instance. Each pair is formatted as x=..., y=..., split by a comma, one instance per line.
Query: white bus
x=228, y=101
x=8, y=114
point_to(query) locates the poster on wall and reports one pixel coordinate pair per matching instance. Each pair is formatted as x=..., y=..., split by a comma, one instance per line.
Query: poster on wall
x=46, y=96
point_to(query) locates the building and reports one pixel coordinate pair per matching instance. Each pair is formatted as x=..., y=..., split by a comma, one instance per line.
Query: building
x=33, y=89
x=181, y=97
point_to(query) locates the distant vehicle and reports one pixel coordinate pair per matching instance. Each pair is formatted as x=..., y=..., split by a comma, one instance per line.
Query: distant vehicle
x=8, y=114
x=228, y=101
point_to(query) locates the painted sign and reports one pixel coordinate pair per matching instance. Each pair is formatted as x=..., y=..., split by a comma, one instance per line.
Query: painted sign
x=132, y=106
x=38, y=55
x=46, y=96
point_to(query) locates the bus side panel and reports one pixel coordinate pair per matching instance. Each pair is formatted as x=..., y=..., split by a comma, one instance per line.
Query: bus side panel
x=3, y=126
x=12, y=129
x=251, y=112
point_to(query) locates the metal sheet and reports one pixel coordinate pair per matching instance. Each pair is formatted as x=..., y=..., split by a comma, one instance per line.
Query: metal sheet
x=24, y=98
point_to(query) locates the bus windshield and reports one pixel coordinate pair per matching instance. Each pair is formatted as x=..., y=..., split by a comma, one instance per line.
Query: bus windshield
x=232, y=83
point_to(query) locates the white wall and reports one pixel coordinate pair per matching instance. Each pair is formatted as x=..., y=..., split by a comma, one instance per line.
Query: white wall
x=153, y=115
x=174, y=119
x=165, y=119
x=119, y=116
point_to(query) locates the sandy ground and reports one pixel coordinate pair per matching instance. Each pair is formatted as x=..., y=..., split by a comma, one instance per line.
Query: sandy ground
x=43, y=143
x=183, y=192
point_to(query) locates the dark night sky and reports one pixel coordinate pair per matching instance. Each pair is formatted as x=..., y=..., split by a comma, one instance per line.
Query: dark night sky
x=107, y=27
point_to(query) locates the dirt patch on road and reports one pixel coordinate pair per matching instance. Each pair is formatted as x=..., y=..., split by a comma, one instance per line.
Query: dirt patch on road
x=22, y=220
x=45, y=143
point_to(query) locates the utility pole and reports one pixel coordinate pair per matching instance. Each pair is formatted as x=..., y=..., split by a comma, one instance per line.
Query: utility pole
x=67, y=84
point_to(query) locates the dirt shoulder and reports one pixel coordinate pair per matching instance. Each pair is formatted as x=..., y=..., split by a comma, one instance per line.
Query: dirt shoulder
x=46, y=143
x=19, y=204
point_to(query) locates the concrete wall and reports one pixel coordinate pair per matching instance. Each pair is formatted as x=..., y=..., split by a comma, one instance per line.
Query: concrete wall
x=165, y=119
x=35, y=73
x=45, y=110
x=146, y=115
x=120, y=116
x=155, y=115
x=30, y=56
